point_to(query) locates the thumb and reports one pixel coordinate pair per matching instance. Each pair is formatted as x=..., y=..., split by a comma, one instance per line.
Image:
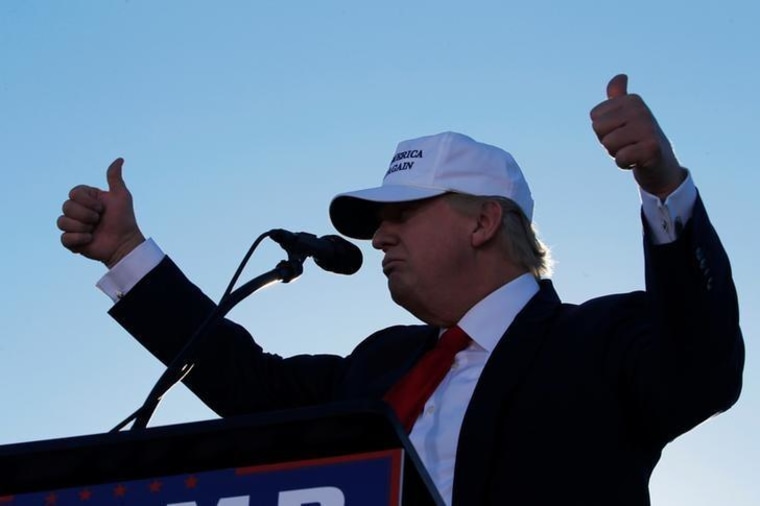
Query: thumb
x=113, y=176
x=618, y=86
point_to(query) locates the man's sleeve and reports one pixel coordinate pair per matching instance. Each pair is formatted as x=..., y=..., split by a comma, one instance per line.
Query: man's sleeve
x=667, y=219
x=118, y=281
x=688, y=365
x=232, y=374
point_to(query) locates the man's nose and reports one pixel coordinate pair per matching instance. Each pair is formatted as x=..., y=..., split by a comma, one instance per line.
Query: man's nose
x=384, y=236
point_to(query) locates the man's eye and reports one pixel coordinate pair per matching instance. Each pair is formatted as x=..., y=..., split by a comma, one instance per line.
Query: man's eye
x=406, y=213
x=396, y=215
x=399, y=213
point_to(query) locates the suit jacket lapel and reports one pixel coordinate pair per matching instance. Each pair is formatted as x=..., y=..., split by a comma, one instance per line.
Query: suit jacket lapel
x=508, y=364
x=419, y=340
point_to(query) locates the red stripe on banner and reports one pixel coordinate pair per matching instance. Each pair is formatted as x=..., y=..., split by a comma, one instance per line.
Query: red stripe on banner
x=6, y=499
x=384, y=454
x=397, y=467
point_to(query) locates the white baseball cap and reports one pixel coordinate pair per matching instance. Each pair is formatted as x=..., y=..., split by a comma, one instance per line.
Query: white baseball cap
x=430, y=166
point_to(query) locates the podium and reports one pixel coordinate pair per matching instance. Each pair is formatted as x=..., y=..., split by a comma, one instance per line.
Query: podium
x=334, y=455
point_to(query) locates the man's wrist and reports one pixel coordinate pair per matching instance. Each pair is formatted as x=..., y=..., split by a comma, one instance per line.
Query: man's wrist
x=130, y=269
x=666, y=217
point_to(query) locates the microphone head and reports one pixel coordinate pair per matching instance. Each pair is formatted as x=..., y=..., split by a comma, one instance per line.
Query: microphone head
x=346, y=257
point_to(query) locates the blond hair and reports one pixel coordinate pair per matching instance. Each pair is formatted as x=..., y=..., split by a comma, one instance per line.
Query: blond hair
x=518, y=237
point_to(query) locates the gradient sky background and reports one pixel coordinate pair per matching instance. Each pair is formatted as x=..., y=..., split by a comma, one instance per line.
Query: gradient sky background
x=236, y=117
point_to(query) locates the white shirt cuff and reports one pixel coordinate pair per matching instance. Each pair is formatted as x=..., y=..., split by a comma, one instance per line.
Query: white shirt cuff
x=130, y=270
x=666, y=219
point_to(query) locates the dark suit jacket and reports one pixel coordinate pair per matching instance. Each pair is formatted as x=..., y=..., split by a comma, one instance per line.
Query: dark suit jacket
x=573, y=407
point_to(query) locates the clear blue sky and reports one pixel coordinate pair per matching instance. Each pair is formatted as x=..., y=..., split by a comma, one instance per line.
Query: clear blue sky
x=236, y=117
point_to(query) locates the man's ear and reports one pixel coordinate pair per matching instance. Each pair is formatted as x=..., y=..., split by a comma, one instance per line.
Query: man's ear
x=488, y=223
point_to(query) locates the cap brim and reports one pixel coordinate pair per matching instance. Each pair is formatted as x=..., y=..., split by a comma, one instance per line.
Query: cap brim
x=355, y=214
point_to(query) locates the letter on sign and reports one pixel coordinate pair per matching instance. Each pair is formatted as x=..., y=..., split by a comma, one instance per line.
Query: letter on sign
x=242, y=500
x=324, y=496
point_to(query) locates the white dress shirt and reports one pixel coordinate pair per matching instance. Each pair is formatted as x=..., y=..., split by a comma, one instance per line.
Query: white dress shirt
x=436, y=432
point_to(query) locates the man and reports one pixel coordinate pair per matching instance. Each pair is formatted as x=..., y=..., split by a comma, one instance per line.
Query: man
x=548, y=403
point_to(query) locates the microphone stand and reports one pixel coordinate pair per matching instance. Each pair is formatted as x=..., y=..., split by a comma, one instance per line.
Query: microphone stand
x=182, y=364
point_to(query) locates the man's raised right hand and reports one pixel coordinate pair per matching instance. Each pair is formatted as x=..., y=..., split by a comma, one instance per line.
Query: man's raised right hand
x=99, y=224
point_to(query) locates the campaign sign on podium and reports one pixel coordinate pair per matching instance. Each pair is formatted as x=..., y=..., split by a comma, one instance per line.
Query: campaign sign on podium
x=369, y=479
x=341, y=455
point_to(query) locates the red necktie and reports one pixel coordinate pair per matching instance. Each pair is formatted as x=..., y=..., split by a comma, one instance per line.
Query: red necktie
x=408, y=396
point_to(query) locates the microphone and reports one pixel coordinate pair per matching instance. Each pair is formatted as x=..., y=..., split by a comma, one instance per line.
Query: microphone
x=330, y=252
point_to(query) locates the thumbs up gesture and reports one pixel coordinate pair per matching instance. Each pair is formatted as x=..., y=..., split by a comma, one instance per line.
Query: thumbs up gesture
x=99, y=224
x=629, y=132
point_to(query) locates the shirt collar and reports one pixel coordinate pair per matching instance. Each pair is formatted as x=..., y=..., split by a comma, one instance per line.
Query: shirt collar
x=490, y=318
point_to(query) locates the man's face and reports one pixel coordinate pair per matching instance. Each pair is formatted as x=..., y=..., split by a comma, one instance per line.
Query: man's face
x=428, y=254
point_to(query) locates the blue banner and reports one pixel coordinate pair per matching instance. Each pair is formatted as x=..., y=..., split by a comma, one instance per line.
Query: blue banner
x=368, y=479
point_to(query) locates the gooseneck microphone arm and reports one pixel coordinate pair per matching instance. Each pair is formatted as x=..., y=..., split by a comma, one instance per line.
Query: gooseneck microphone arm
x=182, y=364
